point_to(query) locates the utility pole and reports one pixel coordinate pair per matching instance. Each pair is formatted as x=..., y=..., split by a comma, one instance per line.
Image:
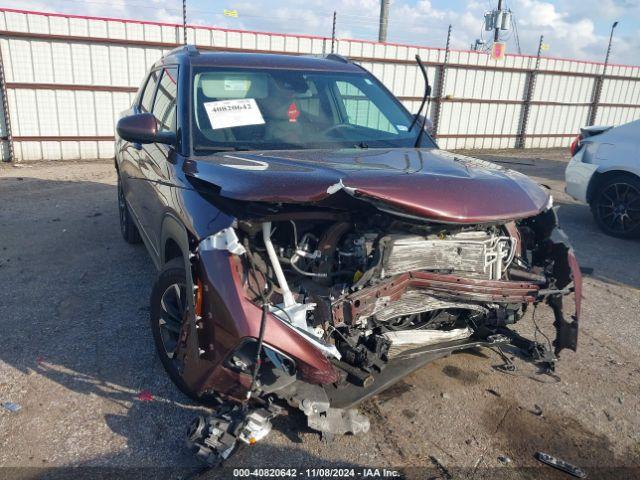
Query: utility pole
x=384, y=20
x=496, y=32
x=333, y=33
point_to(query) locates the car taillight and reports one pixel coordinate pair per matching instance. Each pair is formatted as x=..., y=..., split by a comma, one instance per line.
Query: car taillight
x=576, y=145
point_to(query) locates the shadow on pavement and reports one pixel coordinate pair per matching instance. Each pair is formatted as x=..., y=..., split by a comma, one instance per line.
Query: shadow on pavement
x=610, y=258
x=75, y=311
x=75, y=321
x=261, y=458
x=539, y=167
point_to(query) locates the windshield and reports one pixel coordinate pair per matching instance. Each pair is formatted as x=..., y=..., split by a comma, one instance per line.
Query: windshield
x=236, y=109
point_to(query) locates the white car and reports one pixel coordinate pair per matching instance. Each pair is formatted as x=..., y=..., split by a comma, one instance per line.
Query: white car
x=605, y=173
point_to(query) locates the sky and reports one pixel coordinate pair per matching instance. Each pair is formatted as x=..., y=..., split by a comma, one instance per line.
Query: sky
x=572, y=28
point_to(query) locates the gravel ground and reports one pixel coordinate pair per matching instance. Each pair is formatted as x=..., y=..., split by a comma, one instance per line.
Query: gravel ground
x=76, y=351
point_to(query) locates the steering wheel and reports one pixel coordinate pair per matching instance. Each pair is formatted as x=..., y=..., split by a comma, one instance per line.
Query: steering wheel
x=335, y=128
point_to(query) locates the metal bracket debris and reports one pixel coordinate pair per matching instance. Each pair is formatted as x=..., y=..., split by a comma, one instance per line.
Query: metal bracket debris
x=508, y=365
x=215, y=438
x=560, y=465
x=336, y=421
x=225, y=239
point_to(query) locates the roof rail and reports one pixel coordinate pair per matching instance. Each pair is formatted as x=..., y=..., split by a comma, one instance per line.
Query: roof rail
x=337, y=58
x=188, y=49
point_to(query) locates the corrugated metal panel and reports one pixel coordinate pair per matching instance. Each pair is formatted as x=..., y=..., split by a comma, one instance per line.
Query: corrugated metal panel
x=105, y=60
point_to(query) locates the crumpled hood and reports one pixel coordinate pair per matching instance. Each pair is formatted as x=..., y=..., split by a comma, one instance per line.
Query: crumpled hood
x=429, y=183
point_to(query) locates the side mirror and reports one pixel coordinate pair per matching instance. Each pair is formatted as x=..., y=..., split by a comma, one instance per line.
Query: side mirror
x=143, y=128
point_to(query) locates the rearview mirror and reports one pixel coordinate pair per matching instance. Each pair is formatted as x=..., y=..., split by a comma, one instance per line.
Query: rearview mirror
x=143, y=128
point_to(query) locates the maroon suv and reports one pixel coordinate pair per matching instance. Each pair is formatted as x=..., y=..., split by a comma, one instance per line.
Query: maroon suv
x=314, y=245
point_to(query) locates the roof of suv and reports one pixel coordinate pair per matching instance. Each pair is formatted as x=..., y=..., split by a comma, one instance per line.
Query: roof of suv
x=330, y=63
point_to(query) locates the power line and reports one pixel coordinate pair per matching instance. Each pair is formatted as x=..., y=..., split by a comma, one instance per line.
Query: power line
x=354, y=19
x=515, y=30
x=357, y=23
x=351, y=20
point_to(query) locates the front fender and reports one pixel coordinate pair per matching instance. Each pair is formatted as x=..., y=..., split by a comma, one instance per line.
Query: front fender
x=229, y=316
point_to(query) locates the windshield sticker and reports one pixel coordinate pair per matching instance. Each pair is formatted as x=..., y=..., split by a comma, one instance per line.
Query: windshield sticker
x=293, y=112
x=233, y=113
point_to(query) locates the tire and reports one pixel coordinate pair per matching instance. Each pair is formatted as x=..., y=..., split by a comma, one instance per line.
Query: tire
x=128, y=228
x=616, y=206
x=168, y=309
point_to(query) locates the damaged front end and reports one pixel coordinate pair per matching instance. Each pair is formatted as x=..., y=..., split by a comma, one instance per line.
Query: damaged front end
x=324, y=307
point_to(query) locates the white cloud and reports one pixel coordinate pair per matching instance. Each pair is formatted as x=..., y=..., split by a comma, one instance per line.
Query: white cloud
x=424, y=7
x=567, y=35
x=572, y=28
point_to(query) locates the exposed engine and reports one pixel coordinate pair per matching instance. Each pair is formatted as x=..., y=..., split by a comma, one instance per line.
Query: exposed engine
x=375, y=297
x=368, y=292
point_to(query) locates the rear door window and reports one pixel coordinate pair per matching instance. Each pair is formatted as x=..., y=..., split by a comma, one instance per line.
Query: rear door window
x=164, y=106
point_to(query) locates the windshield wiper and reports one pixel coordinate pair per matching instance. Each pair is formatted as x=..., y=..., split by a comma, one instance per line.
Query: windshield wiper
x=425, y=99
x=214, y=149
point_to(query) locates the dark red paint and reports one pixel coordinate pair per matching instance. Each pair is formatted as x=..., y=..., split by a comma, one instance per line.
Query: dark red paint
x=428, y=183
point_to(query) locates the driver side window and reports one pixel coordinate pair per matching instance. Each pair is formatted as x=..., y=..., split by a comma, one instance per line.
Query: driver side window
x=146, y=101
x=361, y=111
x=164, y=106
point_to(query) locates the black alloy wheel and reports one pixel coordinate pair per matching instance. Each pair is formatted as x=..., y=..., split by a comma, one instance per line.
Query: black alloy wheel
x=169, y=310
x=616, y=206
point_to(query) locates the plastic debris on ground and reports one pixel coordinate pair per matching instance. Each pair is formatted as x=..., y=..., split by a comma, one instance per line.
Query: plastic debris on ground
x=12, y=406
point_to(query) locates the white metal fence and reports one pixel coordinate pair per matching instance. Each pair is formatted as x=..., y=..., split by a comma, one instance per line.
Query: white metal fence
x=67, y=78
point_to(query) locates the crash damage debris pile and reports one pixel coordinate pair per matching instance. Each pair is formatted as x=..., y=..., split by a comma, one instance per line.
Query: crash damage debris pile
x=340, y=290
